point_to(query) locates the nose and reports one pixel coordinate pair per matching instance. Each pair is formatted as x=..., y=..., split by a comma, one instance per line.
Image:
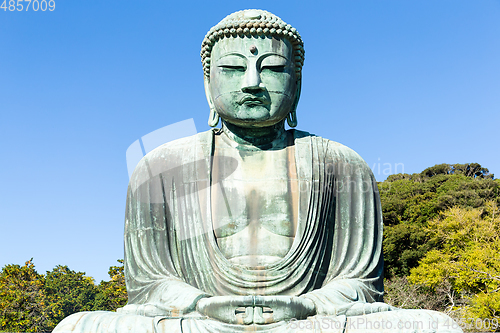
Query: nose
x=252, y=82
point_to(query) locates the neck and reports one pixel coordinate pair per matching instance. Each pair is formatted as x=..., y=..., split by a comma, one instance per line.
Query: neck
x=258, y=136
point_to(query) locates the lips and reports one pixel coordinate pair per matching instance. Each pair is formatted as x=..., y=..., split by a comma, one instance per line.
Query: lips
x=253, y=100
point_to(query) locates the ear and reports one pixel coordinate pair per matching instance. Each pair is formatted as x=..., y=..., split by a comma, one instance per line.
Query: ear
x=208, y=93
x=297, y=95
x=213, y=118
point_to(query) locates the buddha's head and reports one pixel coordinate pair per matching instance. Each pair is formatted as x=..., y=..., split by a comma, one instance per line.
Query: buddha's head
x=252, y=62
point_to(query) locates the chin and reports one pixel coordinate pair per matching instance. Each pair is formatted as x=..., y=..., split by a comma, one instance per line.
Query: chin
x=259, y=123
x=252, y=116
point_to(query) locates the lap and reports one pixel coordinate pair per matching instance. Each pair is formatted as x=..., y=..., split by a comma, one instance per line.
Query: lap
x=112, y=322
x=399, y=321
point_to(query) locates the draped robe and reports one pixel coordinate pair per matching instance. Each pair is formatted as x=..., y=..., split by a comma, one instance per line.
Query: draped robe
x=172, y=258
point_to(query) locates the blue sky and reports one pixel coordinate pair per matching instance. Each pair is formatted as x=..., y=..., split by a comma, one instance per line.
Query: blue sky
x=408, y=83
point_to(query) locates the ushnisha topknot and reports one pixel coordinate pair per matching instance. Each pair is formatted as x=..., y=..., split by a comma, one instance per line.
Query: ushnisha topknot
x=252, y=22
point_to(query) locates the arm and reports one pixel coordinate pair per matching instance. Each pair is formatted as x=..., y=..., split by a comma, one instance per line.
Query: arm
x=350, y=297
x=153, y=274
x=355, y=260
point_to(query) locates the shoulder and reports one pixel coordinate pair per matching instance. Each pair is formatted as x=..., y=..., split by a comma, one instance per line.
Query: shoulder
x=340, y=158
x=180, y=146
x=171, y=154
x=330, y=149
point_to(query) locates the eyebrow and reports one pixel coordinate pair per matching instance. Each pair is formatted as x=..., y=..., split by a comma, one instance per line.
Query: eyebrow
x=261, y=57
x=268, y=54
x=231, y=54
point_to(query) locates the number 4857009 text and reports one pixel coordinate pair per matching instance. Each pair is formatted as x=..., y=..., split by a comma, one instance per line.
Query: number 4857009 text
x=24, y=5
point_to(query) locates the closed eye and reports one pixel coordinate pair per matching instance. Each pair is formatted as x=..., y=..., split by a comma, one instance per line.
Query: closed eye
x=277, y=69
x=232, y=68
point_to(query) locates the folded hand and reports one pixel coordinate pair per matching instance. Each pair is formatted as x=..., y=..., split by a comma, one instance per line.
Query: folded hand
x=255, y=309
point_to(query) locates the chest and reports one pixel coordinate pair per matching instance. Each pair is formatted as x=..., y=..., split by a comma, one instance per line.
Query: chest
x=260, y=193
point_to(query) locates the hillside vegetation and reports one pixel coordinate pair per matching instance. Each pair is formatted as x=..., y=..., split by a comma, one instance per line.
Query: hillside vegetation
x=441, y=242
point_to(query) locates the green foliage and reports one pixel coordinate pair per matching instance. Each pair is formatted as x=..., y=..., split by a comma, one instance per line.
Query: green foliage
x=112, y=294
x=410, y=201
x=466, y=258
x=441, y=230
x=68, y=292
x=32, y=302
x=404, y=245
x=418, y=198
x=438, y=169
x=472, y=170
x=21, y=299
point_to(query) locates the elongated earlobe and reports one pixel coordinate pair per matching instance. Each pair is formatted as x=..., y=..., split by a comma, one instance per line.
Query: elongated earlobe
x=213, y=119
x=291, y=119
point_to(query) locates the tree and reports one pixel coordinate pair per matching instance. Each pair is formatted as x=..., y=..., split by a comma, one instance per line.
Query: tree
x=21, y=299
x=472, y=170
x=67, y=292
x=112, y=294
x=404, y=245
x=438, y=169
x=32, y=302
x=405, y=295
x=466, y=258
